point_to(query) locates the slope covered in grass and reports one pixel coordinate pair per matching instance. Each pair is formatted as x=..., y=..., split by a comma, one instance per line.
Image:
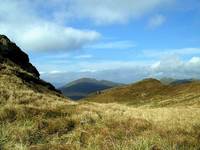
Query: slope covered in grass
x=59, y=125
x=151, y=92
x=34, y=116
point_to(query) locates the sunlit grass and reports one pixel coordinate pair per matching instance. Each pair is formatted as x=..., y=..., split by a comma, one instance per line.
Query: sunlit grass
x=99, y=126
x=42, y=120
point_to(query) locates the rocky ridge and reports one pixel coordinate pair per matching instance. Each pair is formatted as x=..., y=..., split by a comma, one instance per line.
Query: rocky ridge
x=18, y=64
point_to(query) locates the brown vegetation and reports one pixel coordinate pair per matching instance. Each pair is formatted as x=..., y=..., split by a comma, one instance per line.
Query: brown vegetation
x=34, y=116
x=152, y=93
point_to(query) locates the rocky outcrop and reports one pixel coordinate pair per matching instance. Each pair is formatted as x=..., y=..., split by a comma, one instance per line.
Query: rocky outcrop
x=9, y=50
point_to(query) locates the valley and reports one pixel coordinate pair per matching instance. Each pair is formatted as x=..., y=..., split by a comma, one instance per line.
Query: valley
x=147, y=115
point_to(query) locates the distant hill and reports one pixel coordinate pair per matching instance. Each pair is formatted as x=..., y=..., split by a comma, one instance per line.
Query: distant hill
x=35, y=116
x=184, y=81
x=152, y=92
x=167, y=81
x=172, y=81
x=81, y=88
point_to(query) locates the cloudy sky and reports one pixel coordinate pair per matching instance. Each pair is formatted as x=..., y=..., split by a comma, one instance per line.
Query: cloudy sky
x=118, y=40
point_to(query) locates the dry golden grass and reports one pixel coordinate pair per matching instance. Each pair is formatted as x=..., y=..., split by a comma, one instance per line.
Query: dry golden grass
x=45, y=121
x=97, y=126
x=151, y=93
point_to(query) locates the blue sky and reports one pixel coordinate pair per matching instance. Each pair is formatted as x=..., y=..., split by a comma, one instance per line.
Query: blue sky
x=122, y=41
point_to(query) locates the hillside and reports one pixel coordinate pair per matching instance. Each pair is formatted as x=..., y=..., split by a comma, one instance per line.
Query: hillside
x=83, y=87
x=166, y=80
x=152, y=92
x=35, y=116
x=18, y=75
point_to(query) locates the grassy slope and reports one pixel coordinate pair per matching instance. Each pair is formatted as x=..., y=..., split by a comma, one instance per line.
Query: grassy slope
x=152, y=93
x=32, y=117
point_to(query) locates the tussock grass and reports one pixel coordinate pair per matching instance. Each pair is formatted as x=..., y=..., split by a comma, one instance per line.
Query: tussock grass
x=98, y=126
x=31, y=120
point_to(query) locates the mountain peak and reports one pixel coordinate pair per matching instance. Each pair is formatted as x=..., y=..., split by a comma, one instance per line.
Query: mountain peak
x=10, y=51
x=85, y=86
x=14, y=63
x=4, y=40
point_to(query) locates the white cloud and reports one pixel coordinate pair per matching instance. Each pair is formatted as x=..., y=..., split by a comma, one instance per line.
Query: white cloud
x=195, y=60
x=129, y=71
x=171, y=52
x=155, y=65
x=177, y=68
x=25, y=23
x=98, y=11
x=125, y=75
x=54, y=72
x=156, y=21
x=29, y=23
x=54, y=37
x=118, y=11
x=171, y=63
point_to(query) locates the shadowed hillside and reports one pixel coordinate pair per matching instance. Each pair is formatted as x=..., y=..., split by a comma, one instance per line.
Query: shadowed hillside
x=83, y=87
x=18, y=75
x=35, y=116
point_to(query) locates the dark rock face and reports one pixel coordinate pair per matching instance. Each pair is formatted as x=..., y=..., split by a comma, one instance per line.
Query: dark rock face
x=9, y=50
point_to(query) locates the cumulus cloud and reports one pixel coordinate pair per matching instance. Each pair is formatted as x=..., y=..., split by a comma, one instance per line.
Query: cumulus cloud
x=176, y=68
x=25, y=23
x=194, y=60
x=156, y=21
x=53, y=37
x=40, y=26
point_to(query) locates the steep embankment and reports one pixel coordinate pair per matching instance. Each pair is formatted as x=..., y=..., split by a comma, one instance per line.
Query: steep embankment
x=19, y=79
x=152, y=92
x=83, y=87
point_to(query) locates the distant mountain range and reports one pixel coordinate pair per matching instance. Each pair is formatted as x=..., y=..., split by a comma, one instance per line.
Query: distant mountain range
x=172, y=81
x=167, y=80
x=81, y=88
